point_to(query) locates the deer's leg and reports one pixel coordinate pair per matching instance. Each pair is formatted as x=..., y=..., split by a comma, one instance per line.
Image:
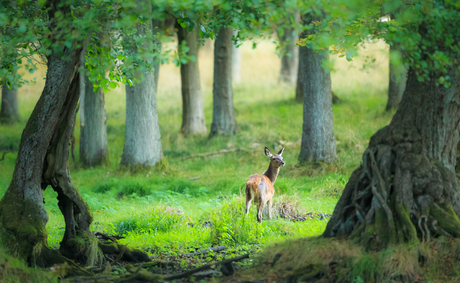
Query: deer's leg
x=260, y=209
x=270, y=209
x=249, y=198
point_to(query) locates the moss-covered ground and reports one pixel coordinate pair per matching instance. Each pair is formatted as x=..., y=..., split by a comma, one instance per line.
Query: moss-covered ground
x=187, y=204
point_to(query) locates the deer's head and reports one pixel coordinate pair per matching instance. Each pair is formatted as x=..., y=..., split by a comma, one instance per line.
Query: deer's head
x=277, y=159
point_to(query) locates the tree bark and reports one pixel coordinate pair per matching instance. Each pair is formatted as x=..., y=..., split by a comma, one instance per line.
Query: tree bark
x=223, y=116
x=93, y=132
x=397, y=84
x=290, y=57
x=300, y=76
x=142, y=132
x=9, y=112
x=236, y=61
x=406, y=189
x=43, y=160
x=318, y=141
x=193, y=121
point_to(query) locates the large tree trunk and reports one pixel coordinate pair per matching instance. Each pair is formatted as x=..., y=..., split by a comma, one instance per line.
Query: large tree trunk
x=397, y=84
x=318, y=141
x=406, y=188
x=236, y=61
x=290, y=57
x=300, y=76
x=43, y=160
x=223, y=116
x=93, y=131
x=142, y=132
x=192, y=106
x=9, y=110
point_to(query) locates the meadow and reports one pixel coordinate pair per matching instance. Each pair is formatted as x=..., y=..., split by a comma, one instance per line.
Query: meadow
x=188, y=203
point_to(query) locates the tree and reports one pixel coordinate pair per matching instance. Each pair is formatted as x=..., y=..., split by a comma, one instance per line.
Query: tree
x=9, y=109
x=93, y=129
x=290, y=54
x=406, y=189
x=57, y=32
x=223, y=115
x=193, y=121
x=318, y=141
x=236, y=60
x=397, y=82
x=300, y=76
x=142, y=132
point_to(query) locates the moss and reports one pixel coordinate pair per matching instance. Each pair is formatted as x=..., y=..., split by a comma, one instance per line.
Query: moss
x=405, y=225
x=446, y=218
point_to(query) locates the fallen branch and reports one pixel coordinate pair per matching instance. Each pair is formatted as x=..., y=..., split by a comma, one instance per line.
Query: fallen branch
x=205, y=267
x=222, y=151
x=4, y=153
x=214, y=249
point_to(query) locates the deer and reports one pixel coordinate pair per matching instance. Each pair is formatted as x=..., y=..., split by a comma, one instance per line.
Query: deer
x=259, y=187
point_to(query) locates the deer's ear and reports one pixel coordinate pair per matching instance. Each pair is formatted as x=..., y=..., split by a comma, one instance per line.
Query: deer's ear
x=267, y=152
x=281, y=151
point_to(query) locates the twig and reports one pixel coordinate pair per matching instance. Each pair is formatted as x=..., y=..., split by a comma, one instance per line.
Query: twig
x=194, y=178
x=205, y=267
x=4, y=153
x=222, y=151
x=214, y=249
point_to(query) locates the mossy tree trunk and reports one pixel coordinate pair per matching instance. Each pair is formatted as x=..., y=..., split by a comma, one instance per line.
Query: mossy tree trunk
x=223, y=115
x=193, y=122
x=43, y=161
x=397, y=83
x=406, y=189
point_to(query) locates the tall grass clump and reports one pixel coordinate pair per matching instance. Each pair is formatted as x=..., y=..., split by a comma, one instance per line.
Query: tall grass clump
x=152, y=221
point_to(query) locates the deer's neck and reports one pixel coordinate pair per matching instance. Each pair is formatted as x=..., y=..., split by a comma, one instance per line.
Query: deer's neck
x=272, y=173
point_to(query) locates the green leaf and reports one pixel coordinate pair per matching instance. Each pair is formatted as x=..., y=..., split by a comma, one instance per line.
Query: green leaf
x=113, y=85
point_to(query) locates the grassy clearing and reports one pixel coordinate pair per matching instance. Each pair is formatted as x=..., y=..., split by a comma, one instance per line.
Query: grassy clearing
x=163, y=210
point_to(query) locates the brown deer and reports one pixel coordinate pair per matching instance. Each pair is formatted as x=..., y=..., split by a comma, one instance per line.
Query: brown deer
x=261, y=187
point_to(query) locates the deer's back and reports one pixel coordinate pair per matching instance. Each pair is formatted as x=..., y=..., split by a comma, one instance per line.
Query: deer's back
x=260, y=184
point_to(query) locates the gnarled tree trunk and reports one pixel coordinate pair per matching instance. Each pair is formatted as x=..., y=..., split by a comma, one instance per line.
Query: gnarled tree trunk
x=192, y=106
x=406, y=188
x=318, y=141
x=43, y=160
x=142, y=132
x=223, y=115
x=9, y=110
x=93, y=132
x=397, y=84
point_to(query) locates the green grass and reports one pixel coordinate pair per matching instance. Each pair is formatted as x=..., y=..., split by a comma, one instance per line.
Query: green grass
x=156, y=209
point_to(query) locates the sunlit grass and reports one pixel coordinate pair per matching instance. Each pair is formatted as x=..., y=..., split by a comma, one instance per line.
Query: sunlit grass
x=266, y=116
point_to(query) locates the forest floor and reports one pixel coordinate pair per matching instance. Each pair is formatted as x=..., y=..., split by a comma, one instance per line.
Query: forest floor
x=186, y=203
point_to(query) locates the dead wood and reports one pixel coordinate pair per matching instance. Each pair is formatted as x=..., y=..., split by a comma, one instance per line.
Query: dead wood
x=214, y=249
x=222, y=151
x=205, y=267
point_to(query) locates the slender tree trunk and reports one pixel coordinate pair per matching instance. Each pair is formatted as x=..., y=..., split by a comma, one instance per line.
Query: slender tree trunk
x=236, y=61
x=406, y=188
x=142, y=132
x=318, y=141
x=398, y=78
x=300, y=76
x=9, y=112
x=223, y=116
x=192, y=106
x=289, y=59
x=93, y=133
